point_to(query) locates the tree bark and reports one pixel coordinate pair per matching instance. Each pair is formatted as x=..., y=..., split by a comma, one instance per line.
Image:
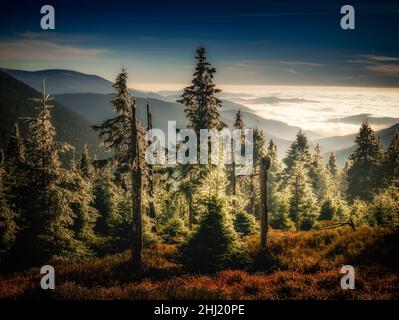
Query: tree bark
x=264, y=167
x=190, y=204
x=151, y=204
x=137, y=187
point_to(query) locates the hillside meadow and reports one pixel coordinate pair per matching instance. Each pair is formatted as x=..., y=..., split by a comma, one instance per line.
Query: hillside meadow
x=303, y=265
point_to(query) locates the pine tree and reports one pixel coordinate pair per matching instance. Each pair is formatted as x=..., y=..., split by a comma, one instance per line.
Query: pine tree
x=299, y=150
x=364, y=175
x=302, y=203
x=124, y=135
x=332, y=166
x=200, y=97
x=47, y=221
x=391, y=162
x=201, y=108
x=8, y=225
x=215, y=245
x=80, y=183
x=17, y=176
x=278, y=202
x=85, y=165
x=320, y=177
x=106, y=199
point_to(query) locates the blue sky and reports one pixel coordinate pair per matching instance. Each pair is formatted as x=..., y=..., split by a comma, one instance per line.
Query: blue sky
x=249, y=42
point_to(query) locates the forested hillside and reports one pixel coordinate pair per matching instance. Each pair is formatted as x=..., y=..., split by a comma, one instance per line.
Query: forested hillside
x=134, y=228
x=16, y=104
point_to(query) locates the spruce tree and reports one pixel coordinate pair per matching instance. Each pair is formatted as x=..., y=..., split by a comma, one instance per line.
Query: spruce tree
x=80, y=183
x=17, y=176
x=302, y=201
x=332, y=166
x=8, y=225
x=278, y=203
x=124, y=135
x=106, y=195
x=364, y=175
x=85, y=165
x=49, y=216
x=320, y=177
x=391, y=162
x=299, y=150
x=201, y=108
x=215, y=245
x=200, y=98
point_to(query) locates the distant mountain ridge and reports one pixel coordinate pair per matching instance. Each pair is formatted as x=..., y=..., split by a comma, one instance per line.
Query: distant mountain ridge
x=67, y=81
x=89, y=96
x=16, y=102
x=342, y=154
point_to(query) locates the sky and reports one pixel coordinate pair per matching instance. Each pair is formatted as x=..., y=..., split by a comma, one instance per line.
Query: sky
x=251, y=43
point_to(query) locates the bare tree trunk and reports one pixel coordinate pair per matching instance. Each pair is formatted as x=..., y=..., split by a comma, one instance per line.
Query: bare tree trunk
x=261, y=261
x=264, y=166
x=151, y=204
x=253, y=195
x=190, y=204
x=137, y=187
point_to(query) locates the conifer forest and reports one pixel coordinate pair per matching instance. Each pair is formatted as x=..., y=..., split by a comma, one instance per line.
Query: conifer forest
x=118, y=192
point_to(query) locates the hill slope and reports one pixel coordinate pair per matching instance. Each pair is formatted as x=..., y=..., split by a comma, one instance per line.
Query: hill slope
x=343, y=154
x=15, y=102
x=68, y=81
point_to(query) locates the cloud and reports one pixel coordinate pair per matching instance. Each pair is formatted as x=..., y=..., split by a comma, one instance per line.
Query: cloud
x=384, y=65
x=298, y=63
x=387, y=69
x=36, y=46
x=370, y=57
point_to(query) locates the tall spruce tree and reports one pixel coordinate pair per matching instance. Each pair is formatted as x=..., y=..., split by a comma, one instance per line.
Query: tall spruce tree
x=299, y=150
x=320, y=177
x=332, y=166
x=277, y=200
x=48, y=219
x=364, y=175
x=302, y=201
x=81, y=184
x=124, y=135
x=200, y=97
x=201, y=108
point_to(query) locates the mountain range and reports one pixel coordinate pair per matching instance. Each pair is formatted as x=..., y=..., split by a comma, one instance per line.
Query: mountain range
x=88, y=97
x=16, y=103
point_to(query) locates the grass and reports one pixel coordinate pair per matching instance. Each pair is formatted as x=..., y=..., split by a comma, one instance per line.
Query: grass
x=304, y=265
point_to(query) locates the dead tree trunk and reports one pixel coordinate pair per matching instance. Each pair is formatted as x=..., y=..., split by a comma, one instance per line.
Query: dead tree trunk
x=261, y=260
x=190, y=203
x=253, y=194
x=137, y=187
x=151, y=204
x=264, y=167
